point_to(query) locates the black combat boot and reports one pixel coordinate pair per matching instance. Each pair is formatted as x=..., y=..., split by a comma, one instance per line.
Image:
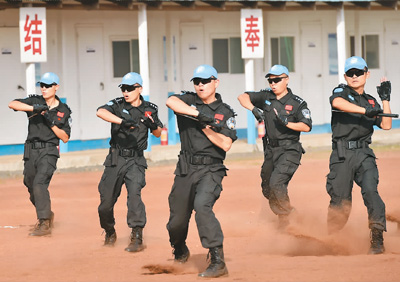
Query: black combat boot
x=136, y=244
x=181, y=253
x=217, y=265
x=376, y=242
x=111, y=238
x=42, y=228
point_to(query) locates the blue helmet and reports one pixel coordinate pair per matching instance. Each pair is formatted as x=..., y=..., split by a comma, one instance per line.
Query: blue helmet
x=49, y=78
x=204, y=71
x=131, y=78
x=355, y=62
x=277, y=70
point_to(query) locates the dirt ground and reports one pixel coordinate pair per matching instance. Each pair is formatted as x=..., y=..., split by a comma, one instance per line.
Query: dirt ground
x=254, y=249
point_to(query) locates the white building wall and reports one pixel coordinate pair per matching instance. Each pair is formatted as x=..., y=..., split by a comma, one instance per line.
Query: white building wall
x=63, y=54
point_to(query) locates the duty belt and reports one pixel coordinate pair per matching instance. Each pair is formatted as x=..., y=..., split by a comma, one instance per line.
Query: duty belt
x=130, y=153
x=39, y=144
x=351, y=144
x=203, y=160
x=280, y=143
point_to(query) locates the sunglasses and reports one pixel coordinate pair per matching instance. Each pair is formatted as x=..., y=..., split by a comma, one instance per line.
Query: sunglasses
x=129, y=88
x=357, y=72
x=45, y=85
x=276, y=79
x=204, y=81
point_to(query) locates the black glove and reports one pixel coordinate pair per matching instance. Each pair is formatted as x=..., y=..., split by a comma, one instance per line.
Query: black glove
x=282, y=118
x=216, y=126
x=47, y=118
x=257, y=114
x=205, y=119
x=38, y=108
x=127, y=124
x=384, y=90
x=150, y=124
x=372, y=112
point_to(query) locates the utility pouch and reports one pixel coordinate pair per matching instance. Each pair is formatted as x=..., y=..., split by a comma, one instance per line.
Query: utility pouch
x=27, y=151
x=340, y=149
x=114, y=156
x=183, y=164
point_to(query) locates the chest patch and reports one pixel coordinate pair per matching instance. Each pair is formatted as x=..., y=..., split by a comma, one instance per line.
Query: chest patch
x=125, y=111
x=60, y=114
x=288, y=107
x=219, y=116
x=372, y=102
x=351, y=97
x=267, y=102
x=147, y=113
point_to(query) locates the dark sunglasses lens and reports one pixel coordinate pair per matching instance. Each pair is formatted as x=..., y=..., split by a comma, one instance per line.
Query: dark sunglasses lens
x=128, y=88
x=45, y=85
x=275, y=80
x=351, y=73
x=203, y=81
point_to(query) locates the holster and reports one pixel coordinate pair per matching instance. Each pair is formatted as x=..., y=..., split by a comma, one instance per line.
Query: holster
x=27, y=151
x=340, y=149
x=183, y=163
x=264, y=141
x=114, y=156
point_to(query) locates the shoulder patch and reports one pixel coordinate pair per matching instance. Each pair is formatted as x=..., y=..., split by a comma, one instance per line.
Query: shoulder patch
x=230, y=108
x=231, y=123
x=266, y=90
x=35, y=95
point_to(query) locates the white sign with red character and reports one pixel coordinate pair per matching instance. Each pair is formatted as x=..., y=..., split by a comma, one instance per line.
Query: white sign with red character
x=252, y=33
x=32, y=34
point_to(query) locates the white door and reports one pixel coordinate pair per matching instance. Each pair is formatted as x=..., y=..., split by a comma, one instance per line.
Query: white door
x=13, y=125
x=392, y=59
x=192, y=52
x=91, y=82
x=311, y=72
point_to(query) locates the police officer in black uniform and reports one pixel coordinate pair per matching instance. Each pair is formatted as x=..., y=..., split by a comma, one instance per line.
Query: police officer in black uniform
x=49, y=121
x=285, y=115
x=131, y=117
x=354, y=113
x=207, y=131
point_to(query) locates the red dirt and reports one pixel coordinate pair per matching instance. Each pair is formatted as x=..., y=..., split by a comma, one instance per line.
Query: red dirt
x=254, y=249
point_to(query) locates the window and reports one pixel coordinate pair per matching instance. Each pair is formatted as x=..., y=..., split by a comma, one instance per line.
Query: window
x=333, y=54
x=369, y=49
x=125, y=57
x=227, y=55
x=282, y=51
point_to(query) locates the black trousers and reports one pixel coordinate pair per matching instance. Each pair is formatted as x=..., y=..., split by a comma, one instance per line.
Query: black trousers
x=360, y=166
x=39, y=168
x=280, y=164
x=131, y=172
x=197, y=190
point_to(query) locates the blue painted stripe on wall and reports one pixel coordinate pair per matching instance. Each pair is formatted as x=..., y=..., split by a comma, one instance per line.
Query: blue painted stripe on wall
x=80, y=145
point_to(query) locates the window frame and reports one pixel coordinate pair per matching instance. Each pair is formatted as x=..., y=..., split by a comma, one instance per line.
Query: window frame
x=227, y=37
x=128, y=39
x=270, y=55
